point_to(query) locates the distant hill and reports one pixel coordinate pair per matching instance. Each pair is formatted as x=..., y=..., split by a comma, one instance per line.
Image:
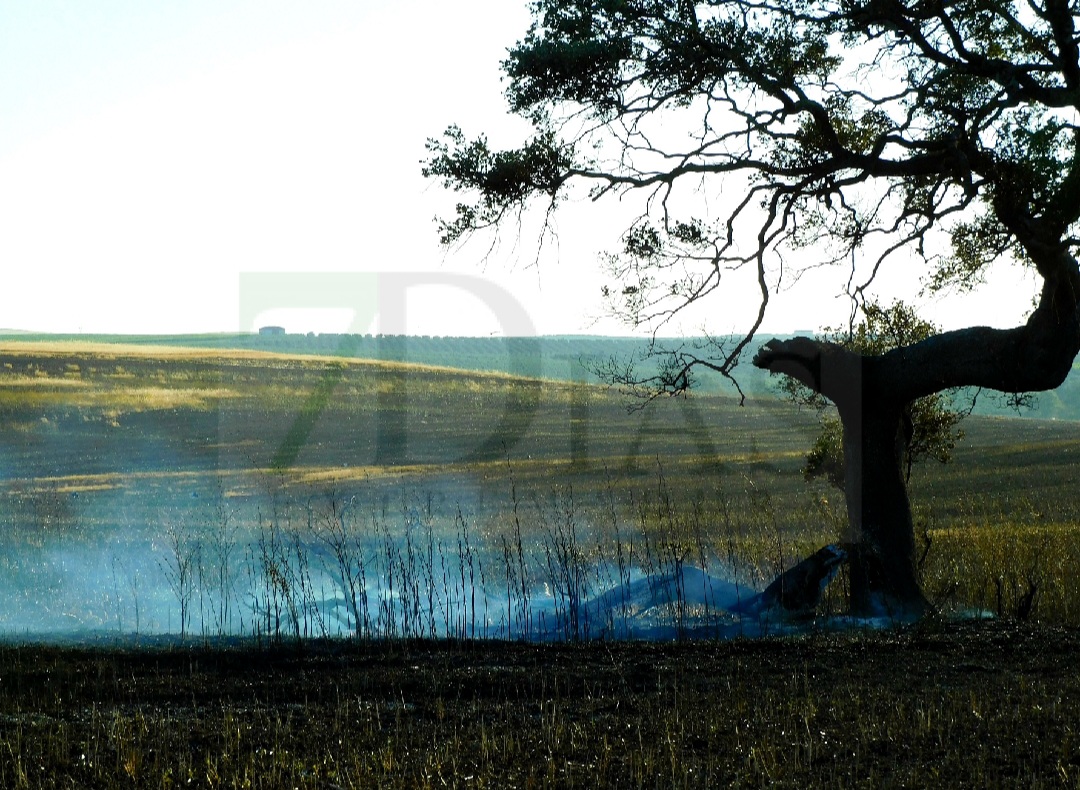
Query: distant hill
x=555, y=357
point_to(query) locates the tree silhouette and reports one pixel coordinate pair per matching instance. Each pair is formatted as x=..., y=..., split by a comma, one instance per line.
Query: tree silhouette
x=855, y=133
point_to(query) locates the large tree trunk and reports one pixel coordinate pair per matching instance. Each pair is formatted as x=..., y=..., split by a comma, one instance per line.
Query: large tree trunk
x=882, y=555
x=871, y=394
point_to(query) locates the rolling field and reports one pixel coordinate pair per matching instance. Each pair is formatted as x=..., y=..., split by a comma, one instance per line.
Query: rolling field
x=130, y=458
x=111, y=452
x=151, y=493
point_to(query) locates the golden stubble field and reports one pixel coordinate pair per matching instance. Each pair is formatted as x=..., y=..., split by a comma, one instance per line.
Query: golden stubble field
x=108, y=442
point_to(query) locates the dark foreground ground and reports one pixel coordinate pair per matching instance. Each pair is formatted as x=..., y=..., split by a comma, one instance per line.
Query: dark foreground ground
x=945, y=705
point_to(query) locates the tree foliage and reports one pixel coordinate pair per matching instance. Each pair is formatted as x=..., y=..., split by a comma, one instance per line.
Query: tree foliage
x=860, y=128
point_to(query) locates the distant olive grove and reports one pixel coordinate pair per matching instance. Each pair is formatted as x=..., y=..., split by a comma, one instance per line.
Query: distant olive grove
x=558, y=357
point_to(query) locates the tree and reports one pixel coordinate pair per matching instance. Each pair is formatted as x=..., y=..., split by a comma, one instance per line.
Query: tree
x=857, y=133
x=929, y=423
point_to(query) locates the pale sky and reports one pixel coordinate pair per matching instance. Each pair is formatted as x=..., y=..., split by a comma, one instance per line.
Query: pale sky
x=170, y=167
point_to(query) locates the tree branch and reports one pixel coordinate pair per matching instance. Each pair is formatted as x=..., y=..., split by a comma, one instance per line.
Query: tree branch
x=826, y=368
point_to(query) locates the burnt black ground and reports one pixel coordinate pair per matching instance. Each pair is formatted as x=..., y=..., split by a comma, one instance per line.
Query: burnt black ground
x=990, y=703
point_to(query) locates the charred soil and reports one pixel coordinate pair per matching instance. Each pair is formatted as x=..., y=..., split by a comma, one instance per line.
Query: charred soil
x=991, y=703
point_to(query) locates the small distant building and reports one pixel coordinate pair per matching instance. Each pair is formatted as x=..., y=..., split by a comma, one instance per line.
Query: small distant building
x=271, y=330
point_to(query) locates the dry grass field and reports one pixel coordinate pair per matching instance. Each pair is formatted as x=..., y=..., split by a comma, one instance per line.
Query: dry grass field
x=166, y=514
